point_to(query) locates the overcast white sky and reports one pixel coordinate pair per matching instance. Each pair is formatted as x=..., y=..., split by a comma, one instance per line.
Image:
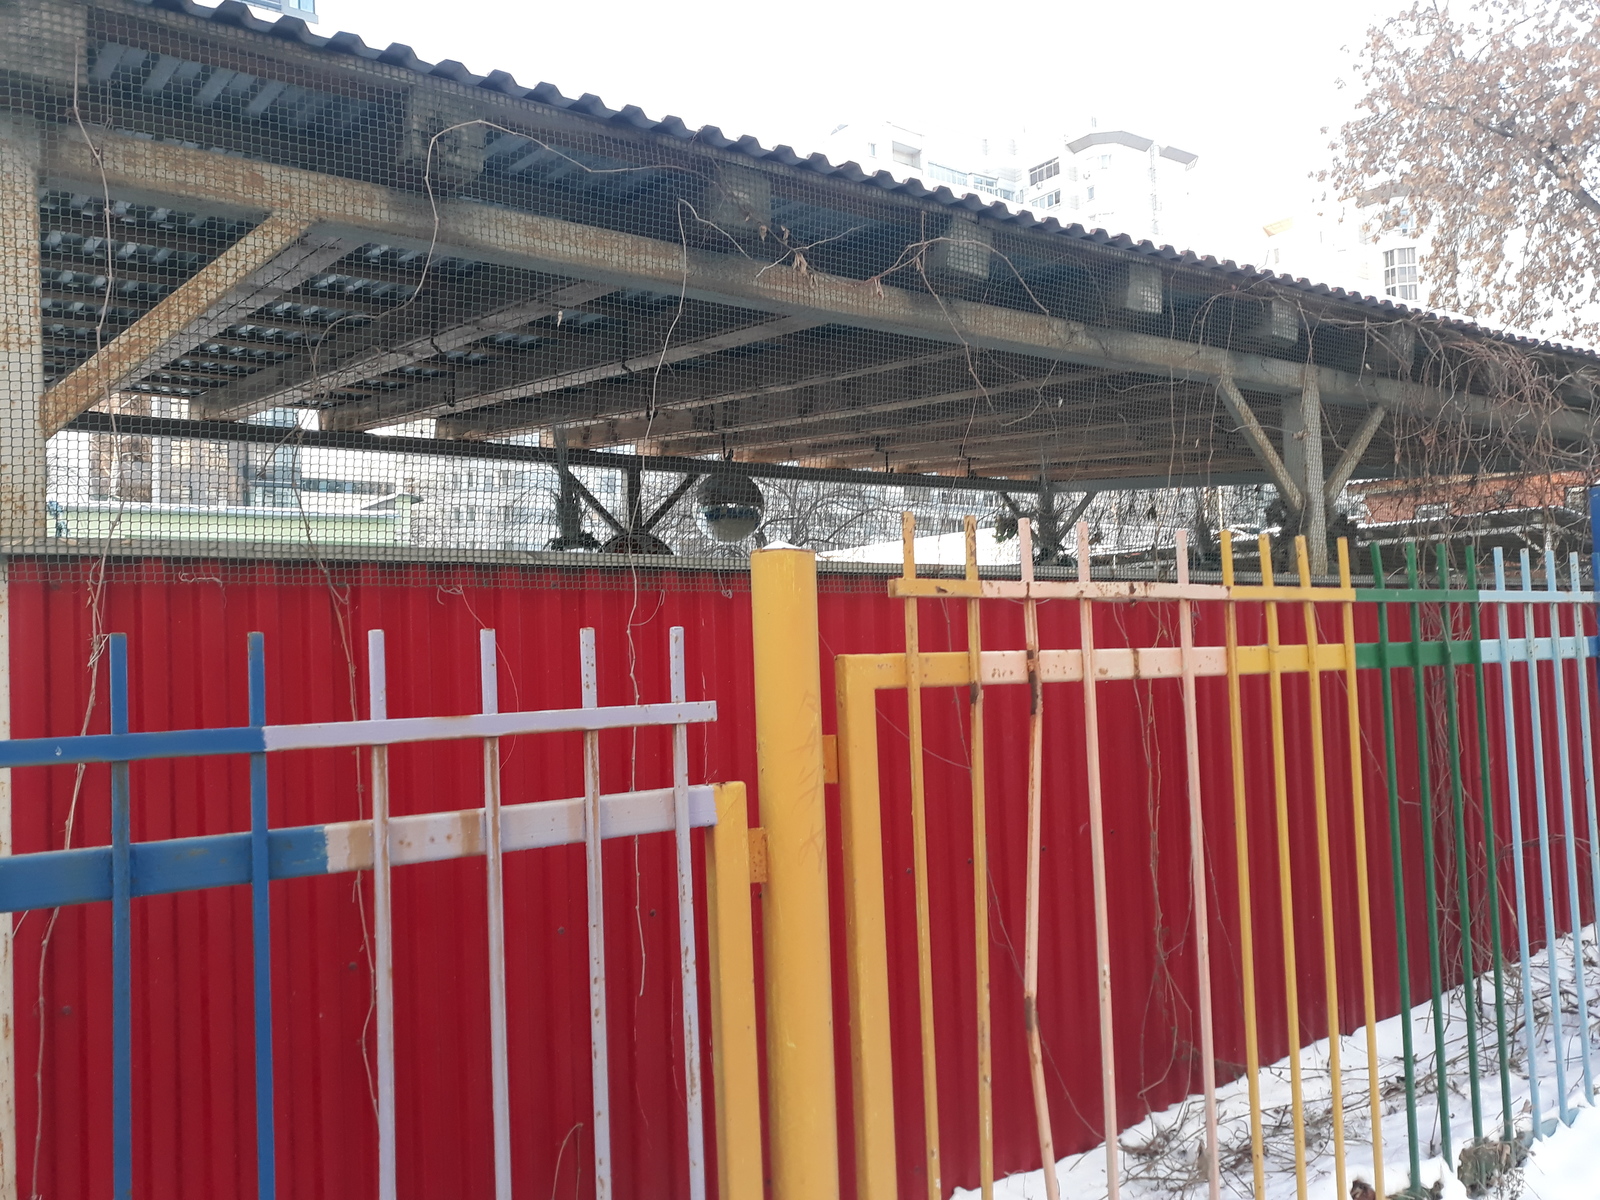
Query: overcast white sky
x=1246, y=84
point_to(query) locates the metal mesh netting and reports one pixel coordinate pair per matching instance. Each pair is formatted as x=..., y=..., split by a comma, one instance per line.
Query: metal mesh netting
x=302, y=300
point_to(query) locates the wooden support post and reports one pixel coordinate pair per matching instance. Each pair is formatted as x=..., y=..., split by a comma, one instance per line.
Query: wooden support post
x=788, y=691
x=22, y=444
x=1302, y=455
x=1261, y=443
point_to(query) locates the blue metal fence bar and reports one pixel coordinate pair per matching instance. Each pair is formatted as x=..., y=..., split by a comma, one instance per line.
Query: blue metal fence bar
x=54, y=878
x=121, y=937
x=261, y=929
x=1569, y=827
x=494, y=858
x=382, y=918
x=693, y=1093
x=599, y=1058
x=1519, y=868
x=1546, y=871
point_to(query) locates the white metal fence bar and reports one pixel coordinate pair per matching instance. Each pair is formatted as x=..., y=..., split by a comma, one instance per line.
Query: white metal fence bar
x=382, y=918
x=599, y=1059
x=693, y=1097
x=494, y=858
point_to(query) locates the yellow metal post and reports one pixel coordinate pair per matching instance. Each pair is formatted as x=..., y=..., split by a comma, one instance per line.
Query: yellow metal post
x=1358, y=817
x=1319, y=795
x=1241, y=843
x=788, y=693
x=919, y=854
x=856, y=681
x=1280, y=792
x=980, y=875
x=733, y=999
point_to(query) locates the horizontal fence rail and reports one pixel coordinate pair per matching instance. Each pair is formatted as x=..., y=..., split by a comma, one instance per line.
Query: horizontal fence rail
x=126, y=870
x=1453, y=629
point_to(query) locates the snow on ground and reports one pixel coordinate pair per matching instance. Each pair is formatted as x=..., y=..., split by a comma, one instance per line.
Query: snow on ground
x=1161, y=1154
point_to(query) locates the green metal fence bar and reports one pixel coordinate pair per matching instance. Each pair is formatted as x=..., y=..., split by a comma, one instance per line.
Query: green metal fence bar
x=1429, y=858
x=1397, y=866
x=1469, y=979
x=1491, y=851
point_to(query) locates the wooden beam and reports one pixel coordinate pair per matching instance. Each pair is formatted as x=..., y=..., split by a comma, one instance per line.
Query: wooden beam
x=390, y=343
x=402, y=407
x=272, y=258
x=189, y=177
x=1351, y=458
x=1261, y=444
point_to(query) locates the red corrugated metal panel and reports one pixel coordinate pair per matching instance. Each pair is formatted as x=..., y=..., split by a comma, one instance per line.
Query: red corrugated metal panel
x=193, y=1045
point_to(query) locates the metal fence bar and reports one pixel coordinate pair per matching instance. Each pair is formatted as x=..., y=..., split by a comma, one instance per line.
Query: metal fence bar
x=1518, y=865
x=919, y=866
x=1586, y=725
x=1358, y=818
x=121, y=936
x=694, y=1103
x=1397, y=871
x=261, y=929
x=1569, y=828
x=1319, y=795
x=1197, y=873
x=494, y=864
x=1429, y=857
x=1097, y=857
x=980, y=874
x=1030, y=957
x=382, y=919
x=1546, y=874
x=1458, y=806
x=1280, y=793
x=1492, y=853
x=599, y=1058
x=1241, y=846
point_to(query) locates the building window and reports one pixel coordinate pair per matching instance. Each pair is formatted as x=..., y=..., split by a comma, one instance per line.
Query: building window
x=1050, y=200
x=1088, y=192
x=1045, y=170
x=1400, y=272
x=872, y=149
x=906, y=156
x=1105, y=160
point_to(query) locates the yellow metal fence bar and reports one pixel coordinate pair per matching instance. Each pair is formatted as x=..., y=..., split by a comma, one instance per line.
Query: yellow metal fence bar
x=733, y=999
x=1241, y=843
x=1358, y=817
x=919, y=860
x=980, y=875
x=857, y=679
x=1319, y=795
x=1280, y=794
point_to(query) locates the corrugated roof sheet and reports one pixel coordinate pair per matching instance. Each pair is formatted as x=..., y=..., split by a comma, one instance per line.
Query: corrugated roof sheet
x=293, y=29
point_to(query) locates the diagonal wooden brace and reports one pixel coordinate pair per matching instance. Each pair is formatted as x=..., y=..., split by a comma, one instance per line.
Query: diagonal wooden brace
x=274, y=256
x=1261, y=444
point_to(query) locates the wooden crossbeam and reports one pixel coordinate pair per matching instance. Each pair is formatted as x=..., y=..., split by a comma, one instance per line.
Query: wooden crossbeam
x=273, y=257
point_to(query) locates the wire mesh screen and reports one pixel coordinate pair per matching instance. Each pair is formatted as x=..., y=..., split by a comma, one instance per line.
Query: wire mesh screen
x=300, y=298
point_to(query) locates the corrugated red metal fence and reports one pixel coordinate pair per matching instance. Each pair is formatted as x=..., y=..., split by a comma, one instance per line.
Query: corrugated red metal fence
x=187, y=630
